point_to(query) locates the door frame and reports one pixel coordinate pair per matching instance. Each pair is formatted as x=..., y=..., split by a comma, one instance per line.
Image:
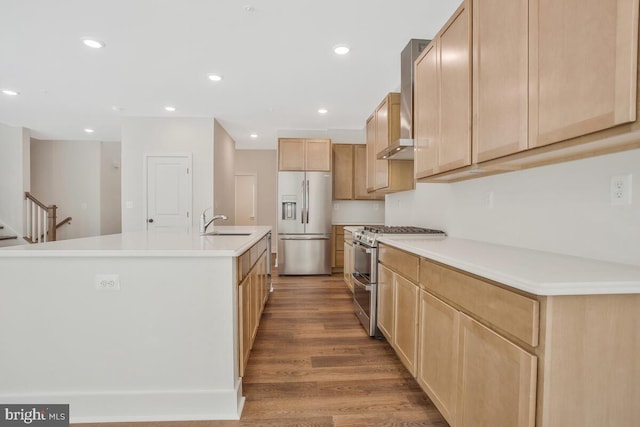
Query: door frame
x=255, y=193
x=145, y=194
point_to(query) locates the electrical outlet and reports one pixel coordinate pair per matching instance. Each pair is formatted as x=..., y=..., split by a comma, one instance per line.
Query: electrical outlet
x=620, y=192
x=107, y=282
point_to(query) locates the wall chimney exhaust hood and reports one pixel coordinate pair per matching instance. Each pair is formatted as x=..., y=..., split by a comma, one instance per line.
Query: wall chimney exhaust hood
x=402, y=149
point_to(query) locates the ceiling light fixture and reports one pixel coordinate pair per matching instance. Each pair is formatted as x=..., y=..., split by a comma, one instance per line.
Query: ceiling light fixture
x=248, y=8
x=323, y=111
x=89, y=130
x=170, y=108
x=254, y=135
x=341, y=49
x=92, y=43
x=215, y=77
x=10, y=92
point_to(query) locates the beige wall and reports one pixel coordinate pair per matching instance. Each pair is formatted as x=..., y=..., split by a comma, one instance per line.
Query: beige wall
x=67, y=174
x=170, y=136
x=264, y=164
x=110, y=193
x=224, y=148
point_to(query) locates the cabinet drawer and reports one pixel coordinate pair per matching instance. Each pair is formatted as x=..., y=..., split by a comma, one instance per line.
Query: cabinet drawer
x=404, y=263
x=508, y=311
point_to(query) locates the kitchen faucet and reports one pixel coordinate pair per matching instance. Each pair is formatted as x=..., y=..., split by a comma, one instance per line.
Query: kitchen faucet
x=203, y=221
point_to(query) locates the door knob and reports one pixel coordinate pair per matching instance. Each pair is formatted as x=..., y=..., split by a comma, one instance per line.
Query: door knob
x=150, y=220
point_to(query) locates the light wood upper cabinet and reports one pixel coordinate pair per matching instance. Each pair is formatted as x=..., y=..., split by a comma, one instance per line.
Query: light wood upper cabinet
x=343, y=172
x=497, y=380
x=349, y=173
x=371, y=152
x=454, y=150
x=304, y=154
x=360, y=175
x=383, y=129
x=442, y=94
x=500, y=78
x=583, y=67
x=426, y=112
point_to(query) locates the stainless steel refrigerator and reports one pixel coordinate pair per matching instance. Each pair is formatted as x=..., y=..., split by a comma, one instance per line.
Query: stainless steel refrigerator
x=304, y=223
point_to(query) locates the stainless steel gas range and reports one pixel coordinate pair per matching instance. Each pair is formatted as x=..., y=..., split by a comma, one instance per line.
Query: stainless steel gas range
x=365, y=268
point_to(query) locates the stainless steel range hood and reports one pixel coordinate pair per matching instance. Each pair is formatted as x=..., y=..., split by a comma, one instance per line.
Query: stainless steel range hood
x=402, y=149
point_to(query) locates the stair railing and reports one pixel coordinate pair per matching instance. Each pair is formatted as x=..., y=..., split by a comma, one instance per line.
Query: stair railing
x=40, y=221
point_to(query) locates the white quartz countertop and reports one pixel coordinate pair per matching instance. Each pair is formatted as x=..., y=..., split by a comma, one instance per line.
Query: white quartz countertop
x=537, y=272
x=149, y=244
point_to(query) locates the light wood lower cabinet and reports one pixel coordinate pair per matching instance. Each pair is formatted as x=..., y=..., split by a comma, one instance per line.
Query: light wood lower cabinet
x=405, y=335
x=438, y=353
x=252, y=296
x=496, y=379
x=348, y=264
x=386, y=302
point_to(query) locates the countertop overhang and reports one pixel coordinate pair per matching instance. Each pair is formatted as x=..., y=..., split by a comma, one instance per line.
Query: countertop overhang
x=533, y=271
x=166, y=243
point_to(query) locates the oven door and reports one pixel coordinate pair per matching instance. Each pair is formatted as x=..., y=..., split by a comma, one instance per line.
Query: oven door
x=364, y=261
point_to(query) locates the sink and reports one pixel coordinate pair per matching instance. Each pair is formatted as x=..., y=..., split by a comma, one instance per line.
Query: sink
x=227, y=233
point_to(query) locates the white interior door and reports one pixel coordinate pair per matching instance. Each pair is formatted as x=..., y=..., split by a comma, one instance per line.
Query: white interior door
x=168, y=192
x=246, y=200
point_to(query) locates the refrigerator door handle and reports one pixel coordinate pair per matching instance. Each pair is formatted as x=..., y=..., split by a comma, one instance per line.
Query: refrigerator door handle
x=308, y=202
x=304, y=202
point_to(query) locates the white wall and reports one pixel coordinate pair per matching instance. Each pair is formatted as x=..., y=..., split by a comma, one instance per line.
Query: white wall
x=67, y=174
x=142, y=136
x=110, y=193
x=358, y=212
x=14, y=175
x=562, y=208
x=223, y=174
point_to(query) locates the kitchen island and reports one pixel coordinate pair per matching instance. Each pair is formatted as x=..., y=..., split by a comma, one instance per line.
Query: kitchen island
x=499, y=335
x=127, y=327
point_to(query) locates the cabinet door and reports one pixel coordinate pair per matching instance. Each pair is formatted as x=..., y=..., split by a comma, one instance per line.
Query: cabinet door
x=244, y=317
x=348, y=265
x=291, y=154
x=497, y=380
x=382, y=141
x=360, y=175
x=438, y=353
x=405, y=336
x=500, y=78
x=582, y=67
x=426, y=112
x=343, y=172
x=454, y=150
x=318, y=155
x=371, y=153
x=386, y=298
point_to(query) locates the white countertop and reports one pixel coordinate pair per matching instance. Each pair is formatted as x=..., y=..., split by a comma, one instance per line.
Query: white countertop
x=168, y=243
x=537, y=272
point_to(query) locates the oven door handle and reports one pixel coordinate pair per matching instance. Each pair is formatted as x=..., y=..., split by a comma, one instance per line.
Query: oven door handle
x=362, y=247
x=360, y=283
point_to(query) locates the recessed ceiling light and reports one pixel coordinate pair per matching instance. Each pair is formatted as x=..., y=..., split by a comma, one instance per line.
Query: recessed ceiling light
x=89, y=130
x=248, y=8
x=170, y=108
x=117, y=108
x=215, y=77
x=341, y=49
x=92, y=43
x=254, y=135
x=10, y=92
x=323, y=111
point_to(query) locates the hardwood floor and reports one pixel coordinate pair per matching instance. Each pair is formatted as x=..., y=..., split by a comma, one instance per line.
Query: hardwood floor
x=312, y=364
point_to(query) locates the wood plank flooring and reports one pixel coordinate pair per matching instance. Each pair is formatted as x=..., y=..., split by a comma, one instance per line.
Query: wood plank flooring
x=312, y=364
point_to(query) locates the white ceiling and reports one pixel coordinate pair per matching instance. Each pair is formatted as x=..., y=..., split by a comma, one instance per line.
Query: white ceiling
x=277, y=62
